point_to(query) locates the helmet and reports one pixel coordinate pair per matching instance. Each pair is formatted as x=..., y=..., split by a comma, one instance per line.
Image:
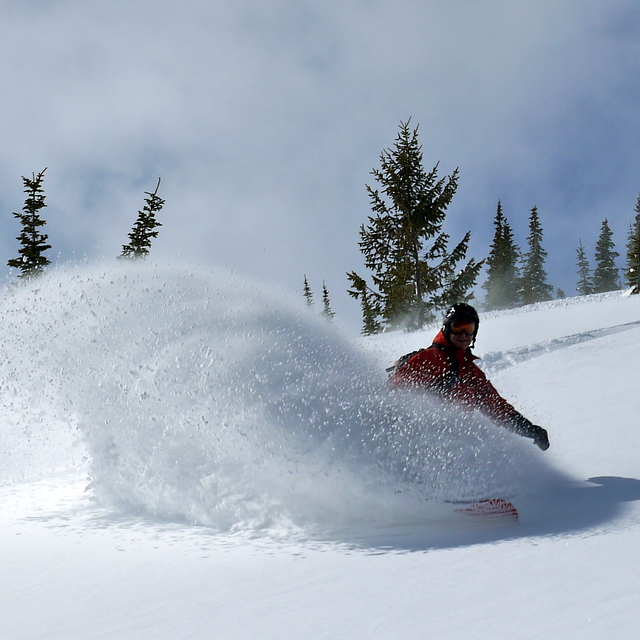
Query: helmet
x=460, y=311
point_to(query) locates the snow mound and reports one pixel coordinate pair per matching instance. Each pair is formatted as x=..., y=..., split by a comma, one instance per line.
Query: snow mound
x=199, y=396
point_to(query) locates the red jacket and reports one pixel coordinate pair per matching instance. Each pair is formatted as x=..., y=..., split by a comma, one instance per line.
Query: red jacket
x=433, y=369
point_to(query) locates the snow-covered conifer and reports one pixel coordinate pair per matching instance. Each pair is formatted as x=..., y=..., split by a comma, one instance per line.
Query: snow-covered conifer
x=533, y=284
x=605, y=274
x=632, y=273
x=306, y=291
x=327, y=312
x=585, y=280
x=31, y=261
x=502, y=273
x=144, y=228
x=410, y=278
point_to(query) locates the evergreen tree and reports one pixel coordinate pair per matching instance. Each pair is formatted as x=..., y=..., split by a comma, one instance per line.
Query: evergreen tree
x=144, y=228
x=409, y=279
x=32, y=262
x=605, y=274
x=306, y=291
x=326, y=311
x=632, y=272
x=585, y=281
x=371, y=323
x=502, y=274
x=533, y=284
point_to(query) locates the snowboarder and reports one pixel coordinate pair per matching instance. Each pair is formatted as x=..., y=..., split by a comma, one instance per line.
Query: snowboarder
x=447, y=369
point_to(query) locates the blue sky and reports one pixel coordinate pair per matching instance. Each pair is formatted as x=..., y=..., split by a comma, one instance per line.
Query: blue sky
x=264, y=120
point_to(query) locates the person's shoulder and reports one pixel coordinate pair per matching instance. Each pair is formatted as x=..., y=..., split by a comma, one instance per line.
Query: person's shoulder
x=432, y=354
x=472, y=361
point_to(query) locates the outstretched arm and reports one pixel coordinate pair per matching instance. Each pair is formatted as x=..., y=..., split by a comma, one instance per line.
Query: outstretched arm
x=493, y=405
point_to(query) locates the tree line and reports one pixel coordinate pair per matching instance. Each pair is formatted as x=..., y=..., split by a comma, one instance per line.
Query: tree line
x=413, y=274
x=32, y=261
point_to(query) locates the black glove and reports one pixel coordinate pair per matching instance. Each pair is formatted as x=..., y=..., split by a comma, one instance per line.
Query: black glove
x=540, y=437
x=523, y=427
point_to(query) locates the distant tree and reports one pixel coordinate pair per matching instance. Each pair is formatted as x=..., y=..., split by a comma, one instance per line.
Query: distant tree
x=144, y=228
x=326, y=311
x=533, y=283
x=32, y=262
x=409, y=279
x=585, y=281
x=605, y=274
x=502, y=282
x=306, y=291
x=632, y=273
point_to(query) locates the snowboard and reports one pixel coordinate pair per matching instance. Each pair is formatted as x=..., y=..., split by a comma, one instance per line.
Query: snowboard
x=491, y=509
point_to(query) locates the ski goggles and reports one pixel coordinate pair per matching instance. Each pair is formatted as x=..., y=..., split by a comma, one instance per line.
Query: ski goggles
x=458, y=327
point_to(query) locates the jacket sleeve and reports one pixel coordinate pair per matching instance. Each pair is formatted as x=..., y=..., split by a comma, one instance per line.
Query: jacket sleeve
x=493, y=405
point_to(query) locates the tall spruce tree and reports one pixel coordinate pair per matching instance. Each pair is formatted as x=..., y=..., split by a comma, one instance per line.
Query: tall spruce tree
x=502, y=283
x=605, y=274
x=413, y=273
x=32, y=260
x=585, y=281
x=632, y=272
x=533, y=283
x=144, y=228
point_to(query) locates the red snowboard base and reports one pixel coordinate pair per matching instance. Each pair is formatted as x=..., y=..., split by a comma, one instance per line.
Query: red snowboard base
x=493, y=509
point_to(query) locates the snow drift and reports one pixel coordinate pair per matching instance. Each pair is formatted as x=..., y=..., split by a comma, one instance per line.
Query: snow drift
x=196, y=395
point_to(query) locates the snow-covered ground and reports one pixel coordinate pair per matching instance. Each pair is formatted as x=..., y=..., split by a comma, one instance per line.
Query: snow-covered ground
x=186, y=455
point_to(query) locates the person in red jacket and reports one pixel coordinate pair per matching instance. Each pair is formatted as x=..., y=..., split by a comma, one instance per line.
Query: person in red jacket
x=447, y=369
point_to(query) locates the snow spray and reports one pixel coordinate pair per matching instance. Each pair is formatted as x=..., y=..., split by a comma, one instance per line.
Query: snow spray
x=198, y=395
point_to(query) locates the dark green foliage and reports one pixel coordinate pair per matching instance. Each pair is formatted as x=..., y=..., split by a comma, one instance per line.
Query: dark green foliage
x=326, y=311
x=32, y=261
x=585, y=281
x=369, y=303
x=632, y=272
x=533, y=284
x=502, y=284
x=410, y=279
x=144, y=228
x=605, y=274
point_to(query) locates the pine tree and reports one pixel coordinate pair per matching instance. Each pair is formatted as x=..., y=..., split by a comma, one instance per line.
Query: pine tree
x=409, y=279
x=326, y=311
x=502, y=274
x=533, y=284
x=371, y=309
x=632, y=273
x=306, y=291
x=32, y=262
x=585, y=281
x=144, y=228
x=605, y=274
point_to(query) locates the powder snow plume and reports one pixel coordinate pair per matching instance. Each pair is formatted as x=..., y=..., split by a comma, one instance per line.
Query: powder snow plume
x=197, y=395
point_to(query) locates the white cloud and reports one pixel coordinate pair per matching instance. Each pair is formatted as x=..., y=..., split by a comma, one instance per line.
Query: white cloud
x=265, y=119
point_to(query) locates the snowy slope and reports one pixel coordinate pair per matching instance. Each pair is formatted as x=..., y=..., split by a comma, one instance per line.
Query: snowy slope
x=188, y=455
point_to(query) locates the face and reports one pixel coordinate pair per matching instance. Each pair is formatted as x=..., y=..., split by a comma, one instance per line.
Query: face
x=460, y=341
x=461, y=335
